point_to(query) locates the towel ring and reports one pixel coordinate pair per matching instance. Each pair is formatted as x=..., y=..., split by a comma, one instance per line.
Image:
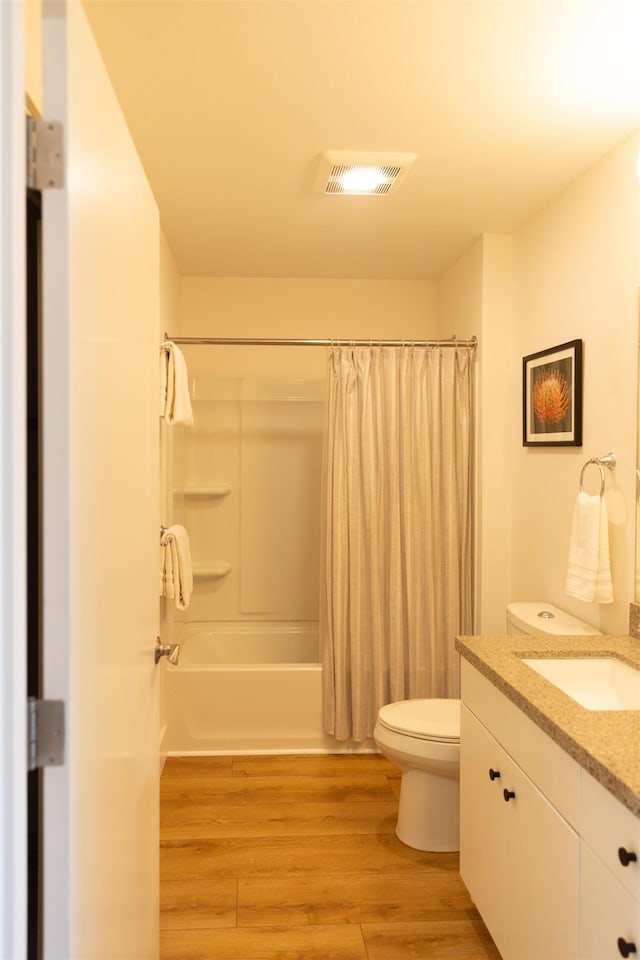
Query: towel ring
x=600, y=462
x=165, y=537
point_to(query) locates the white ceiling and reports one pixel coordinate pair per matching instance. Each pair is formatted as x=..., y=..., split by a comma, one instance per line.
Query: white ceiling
x=230, y=103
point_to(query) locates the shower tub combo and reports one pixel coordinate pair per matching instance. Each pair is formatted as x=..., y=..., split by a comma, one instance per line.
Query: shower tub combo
x=248, y=687
x=248, y=476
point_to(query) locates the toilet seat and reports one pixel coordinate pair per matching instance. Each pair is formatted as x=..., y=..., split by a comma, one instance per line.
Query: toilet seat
x=437, y=720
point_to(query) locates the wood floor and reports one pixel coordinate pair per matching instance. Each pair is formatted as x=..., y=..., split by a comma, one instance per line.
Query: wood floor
x=296, y=858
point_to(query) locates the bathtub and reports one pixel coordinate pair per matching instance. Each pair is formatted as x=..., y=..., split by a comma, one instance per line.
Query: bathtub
x=247, y=688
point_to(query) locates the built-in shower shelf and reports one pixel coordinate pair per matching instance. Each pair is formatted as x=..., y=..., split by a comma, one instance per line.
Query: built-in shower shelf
x=207, y=490
x=210, y=570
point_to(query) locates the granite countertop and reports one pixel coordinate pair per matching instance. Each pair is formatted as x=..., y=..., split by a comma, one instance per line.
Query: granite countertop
x=606, y=743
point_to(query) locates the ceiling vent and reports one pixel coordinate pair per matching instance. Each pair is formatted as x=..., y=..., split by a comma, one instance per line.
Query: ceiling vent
x=351, y=173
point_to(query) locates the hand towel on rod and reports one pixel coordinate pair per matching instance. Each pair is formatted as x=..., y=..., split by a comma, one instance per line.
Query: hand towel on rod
x=589, y=568
x=175, y=402
x=176, y=568
x=167, y=580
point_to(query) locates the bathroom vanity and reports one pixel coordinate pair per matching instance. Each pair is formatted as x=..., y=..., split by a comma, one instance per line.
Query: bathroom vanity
x=549, y=803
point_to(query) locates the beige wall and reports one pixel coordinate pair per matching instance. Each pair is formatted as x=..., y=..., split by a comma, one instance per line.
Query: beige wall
x=475, y=296
x=459, y=295
x=169, y=287
x=307, y=309
x=495, y=417
x=33, y=56
x=272, y=307
x=577, y=278
x=222, y=443
x=168, y=312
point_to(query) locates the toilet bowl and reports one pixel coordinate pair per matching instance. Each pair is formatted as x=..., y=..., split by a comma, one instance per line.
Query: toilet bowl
x=422, y=738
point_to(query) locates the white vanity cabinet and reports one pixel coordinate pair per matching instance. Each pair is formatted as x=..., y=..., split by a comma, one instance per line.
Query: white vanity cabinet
x=555, y=869
x=609, y=876
x=519, y=857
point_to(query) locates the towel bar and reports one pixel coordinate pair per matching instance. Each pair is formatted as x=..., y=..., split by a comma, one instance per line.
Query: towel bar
x=600, y=462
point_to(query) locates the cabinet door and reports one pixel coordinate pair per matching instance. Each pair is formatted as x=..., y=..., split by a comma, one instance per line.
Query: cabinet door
x=611, y=830
x=483, y=847
x=543, y=875
x=607, y=911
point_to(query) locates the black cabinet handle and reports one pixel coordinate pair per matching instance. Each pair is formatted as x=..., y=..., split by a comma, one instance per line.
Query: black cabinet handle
x=494, y=774
x=508, y=795
x=626, y=856
x=625, y=948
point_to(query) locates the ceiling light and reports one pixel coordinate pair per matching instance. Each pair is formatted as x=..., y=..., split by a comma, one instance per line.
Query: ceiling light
x=360, y=173
x=363, y=179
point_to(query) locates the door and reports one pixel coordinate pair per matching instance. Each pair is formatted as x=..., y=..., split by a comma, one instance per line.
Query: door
x=100, y=324
x=543, y=865
x=484, y=863
x=608, y=912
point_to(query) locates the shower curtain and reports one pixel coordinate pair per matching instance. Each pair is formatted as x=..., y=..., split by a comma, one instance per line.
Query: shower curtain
x=398, y=551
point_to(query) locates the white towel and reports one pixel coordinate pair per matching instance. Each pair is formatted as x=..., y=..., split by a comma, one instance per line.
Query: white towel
x=176, y=571
x=167, y=580
x=589, y=569
x=175, y=402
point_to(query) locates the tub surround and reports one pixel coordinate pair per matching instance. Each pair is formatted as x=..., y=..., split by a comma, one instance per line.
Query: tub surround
x=252, y=687
x=605, y=743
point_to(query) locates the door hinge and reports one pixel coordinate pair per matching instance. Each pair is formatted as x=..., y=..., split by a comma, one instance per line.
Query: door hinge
x=46, y=733
x=45, y=156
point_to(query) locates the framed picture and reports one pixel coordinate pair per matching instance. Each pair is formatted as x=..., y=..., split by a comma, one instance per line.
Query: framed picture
x=552, y=396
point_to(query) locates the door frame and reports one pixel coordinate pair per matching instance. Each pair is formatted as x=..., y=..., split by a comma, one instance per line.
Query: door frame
x=13, y=627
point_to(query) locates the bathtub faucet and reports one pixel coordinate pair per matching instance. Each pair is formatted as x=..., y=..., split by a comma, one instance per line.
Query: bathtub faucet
x=171, y=652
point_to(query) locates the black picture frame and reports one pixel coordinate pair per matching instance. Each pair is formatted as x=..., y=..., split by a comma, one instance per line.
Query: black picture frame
x=552, y=396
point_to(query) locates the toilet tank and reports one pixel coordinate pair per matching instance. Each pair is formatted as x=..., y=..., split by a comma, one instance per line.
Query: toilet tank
x=543, y=619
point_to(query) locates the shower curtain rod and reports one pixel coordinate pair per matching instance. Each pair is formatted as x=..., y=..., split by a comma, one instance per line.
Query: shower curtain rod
x=257, y=342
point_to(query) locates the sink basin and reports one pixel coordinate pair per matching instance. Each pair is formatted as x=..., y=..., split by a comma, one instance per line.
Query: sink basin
x=598, y=683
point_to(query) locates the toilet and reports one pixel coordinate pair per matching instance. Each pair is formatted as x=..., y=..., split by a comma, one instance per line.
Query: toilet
x=422, y=738
x=543, y=619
